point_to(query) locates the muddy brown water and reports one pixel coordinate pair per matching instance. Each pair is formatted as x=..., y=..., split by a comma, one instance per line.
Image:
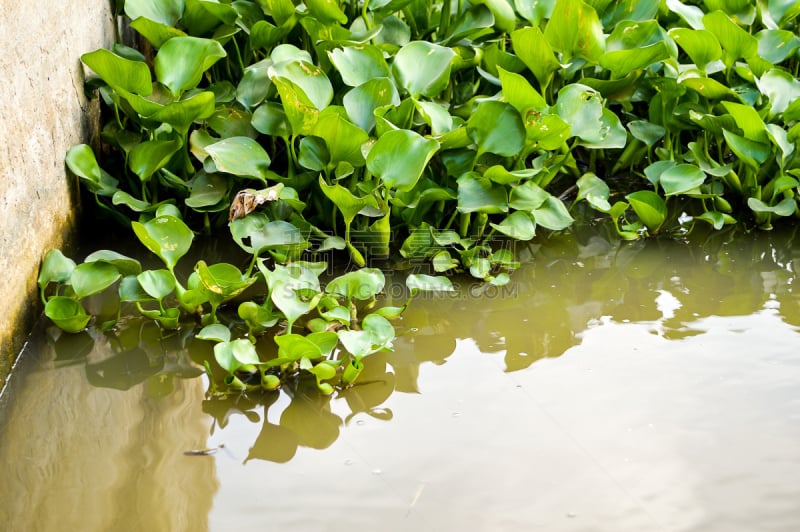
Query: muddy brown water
x=612, y=386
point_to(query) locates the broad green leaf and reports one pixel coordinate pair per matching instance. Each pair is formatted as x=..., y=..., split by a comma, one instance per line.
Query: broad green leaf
x=92, y=278
x=474, y=23
x=736, y=42
x=611, y=135
x=527, y=196
x=294, y=347
x=553, y=215
x=546, y=131
x=156, y=33
x=582, y=108
x=181, y=62
x=166, y=12
x=166, y=236
x=121, y=197
x=634, y=45
x=124, y=264
x=157, y=283
x=748, y=120
x=423, y=68
x=401, y=173
x=436, y=116
x=776, y=45
x=223, y=281
x=81, y=161
x=240, y=156
x=234, y=354
x=130, y=291
x=693, y=15
x=314, y=154
x=310, y=78
x=649, y=207
x=478, y=194
x=709, y=87
x=786, y=207
x=359, y=64
x=496, y=127
x=781, y=88
x=67, y=314
x=591, y=185
x=645, y=131
x=183, y=113
x=301, y=113
x=443, y=262
x=255, y=84
x=151, y=155
x=348, y=203
x=752, y=153
x=203, y=16
x=681, y=178
x=56, y=268
x=207, y=190
x=638, y=10
x=361, y=102
x=518, y=225
x=284, y=283
x=215, y=332
x=504, y=16
x=326, y=11
x=255, y=233
x=266, y=35
x=418, y=282
x=343, y=138
x=535, y=12
x=701, y=46
x=269, y=118
x=535, y=51
x=575, y=30
x=361, y=284
x=519, y=93
x=119, y=72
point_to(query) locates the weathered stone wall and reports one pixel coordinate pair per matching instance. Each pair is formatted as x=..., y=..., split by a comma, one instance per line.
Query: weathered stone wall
x=43, y=112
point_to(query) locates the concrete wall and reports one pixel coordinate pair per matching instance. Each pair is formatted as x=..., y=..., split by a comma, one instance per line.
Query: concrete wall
x=42, y=113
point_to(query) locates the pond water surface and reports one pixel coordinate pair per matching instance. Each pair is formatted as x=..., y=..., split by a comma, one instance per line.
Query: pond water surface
x=611, y=386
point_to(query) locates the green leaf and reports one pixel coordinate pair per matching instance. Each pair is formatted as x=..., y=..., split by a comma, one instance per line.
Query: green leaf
x=157, y=283
x=326, y=11
x=263, y=234
x=496, y=127
x=781, y=88
x=423, y=68
x=786, y=207
x=310, y=78
x=181, y=62
x=92, y=278
x=207, y=190
x=591, y=185
x=553, y=215
x=349, y=204
x=681, y=178
x=124, y=264
x=130, y=291
x=56, y=268
x=301, y=113
x=776, y=45
x=81, y=161
x=582, y=108
x=241, y=156
x=284, y=284
x=166, y=12
x=362, y=284
x=361, y=102
x=419, y=282
x=575, y=30
x=527, y=196
x=649, y=207
x=535, y=51
x=518, y=225
x=215, y=332
x=269, y=118
x=119, y=72
x=752, y=153
x=156, y=33
x=701, y=46
x=519, y=93
x=150, y=156
x=401, y=173
x=233, y=355
x=359, y=64
x=222, y=281
x=343, y=138
x=478, y=194
x=67, y=314
x=166, y=236
x=736, y=42
x=634, y=45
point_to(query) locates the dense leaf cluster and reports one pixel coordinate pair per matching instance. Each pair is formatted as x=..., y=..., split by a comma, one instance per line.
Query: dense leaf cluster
x=425, y=129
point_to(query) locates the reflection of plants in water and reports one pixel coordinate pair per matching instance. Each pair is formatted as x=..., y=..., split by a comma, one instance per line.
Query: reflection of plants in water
x=343, y=326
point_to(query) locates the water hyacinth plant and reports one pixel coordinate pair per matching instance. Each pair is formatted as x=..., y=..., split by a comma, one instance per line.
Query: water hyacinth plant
x=421, y=130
